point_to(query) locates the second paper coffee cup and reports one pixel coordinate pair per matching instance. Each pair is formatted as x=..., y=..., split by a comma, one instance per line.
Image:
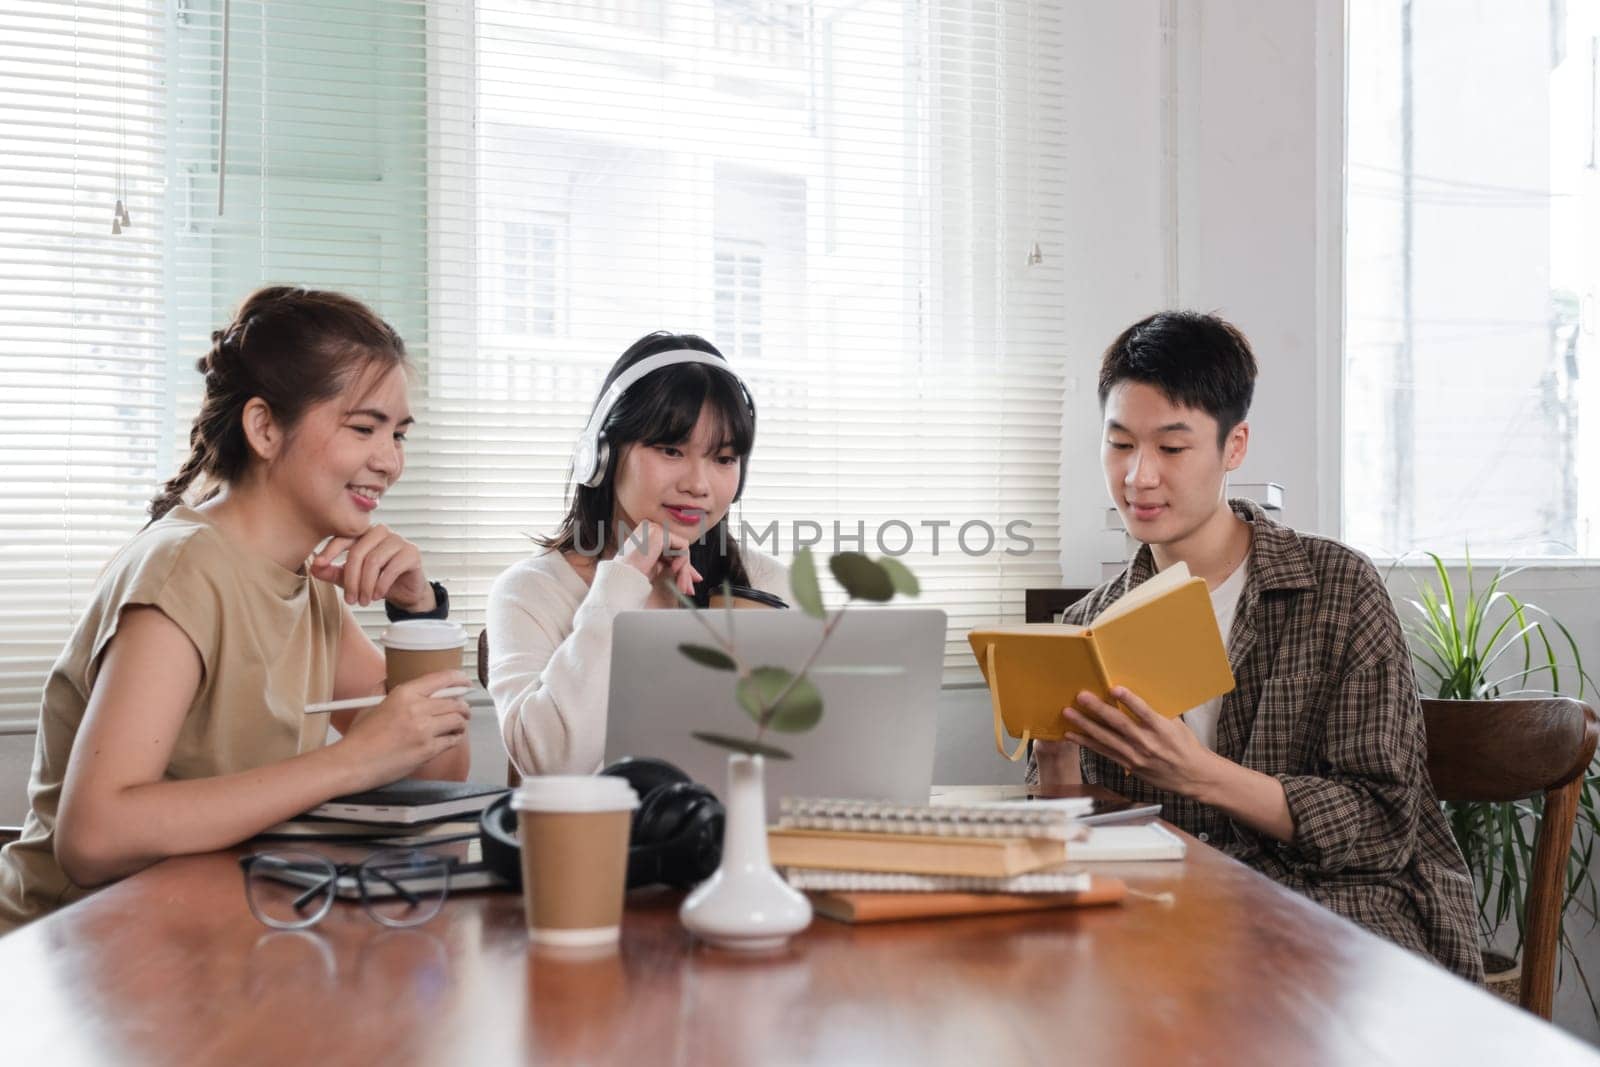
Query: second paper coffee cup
x=574, y=832
x=421, y=646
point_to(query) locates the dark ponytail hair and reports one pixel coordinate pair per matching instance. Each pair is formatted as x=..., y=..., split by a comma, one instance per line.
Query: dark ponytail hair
x=662, y=409
x=292, y=348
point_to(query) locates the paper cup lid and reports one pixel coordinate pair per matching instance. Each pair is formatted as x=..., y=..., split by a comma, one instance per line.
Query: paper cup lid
x=424, y=634
x=574, y=793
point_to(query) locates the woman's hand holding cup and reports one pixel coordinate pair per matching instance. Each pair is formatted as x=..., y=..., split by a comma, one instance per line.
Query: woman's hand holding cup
x=408, y=729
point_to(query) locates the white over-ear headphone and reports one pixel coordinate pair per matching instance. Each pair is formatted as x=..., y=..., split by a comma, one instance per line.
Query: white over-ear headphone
x=592, y=453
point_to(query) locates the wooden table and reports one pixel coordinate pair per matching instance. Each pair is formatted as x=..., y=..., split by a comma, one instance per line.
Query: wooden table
x=169, y=967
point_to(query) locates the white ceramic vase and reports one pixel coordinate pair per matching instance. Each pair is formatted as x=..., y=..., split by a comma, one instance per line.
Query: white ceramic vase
x=744, y=905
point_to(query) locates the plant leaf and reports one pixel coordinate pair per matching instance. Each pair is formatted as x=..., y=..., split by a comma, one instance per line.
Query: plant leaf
x=803, y=583
x=707, y=656
x=739, y=744
x=905, y=583
x=861, y=577
x=778, y=699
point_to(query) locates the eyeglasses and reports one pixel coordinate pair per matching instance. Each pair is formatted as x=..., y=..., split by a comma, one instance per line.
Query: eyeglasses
x=291, y=890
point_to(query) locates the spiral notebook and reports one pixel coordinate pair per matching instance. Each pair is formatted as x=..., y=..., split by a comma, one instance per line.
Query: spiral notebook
x=1037, y=818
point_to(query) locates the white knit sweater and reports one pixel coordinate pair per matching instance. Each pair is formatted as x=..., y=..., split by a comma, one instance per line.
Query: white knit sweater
x=550, y=654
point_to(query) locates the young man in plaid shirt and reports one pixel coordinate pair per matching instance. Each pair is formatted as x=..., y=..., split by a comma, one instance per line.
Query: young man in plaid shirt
x=1312, y=770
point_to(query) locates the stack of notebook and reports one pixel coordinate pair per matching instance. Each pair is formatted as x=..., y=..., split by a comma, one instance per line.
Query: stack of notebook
x=410, y=812
x=870, y=862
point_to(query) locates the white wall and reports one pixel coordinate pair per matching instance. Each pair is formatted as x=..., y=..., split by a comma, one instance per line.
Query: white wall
x=1208, y=178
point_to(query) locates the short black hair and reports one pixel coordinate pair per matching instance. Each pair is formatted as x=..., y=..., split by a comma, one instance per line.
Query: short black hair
x=1196, y=360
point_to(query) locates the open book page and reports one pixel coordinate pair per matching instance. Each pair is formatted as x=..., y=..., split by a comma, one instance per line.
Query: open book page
x=1157, y=586
x=1037, y=629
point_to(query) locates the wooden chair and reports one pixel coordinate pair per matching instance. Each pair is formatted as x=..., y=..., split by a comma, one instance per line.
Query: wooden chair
x=1046, y=605
x=1503, y=750
x=513, y=779
x=483, y=658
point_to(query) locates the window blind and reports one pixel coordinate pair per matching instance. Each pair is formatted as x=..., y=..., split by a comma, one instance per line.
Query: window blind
x=84, y=395
x=299, y=157
x=859, y=204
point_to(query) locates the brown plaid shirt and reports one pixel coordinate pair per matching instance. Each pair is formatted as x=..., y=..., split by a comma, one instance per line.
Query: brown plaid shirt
x=1326, y=703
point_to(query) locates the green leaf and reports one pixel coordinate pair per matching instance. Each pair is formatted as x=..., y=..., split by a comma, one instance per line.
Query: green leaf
x=905, y=583
x=739, y=744
x=707, y=656
x=803, y=583
x=774, y=697
x=861, y=577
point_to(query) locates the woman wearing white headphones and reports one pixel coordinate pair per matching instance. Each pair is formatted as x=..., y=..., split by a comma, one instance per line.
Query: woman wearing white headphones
x=662, y=459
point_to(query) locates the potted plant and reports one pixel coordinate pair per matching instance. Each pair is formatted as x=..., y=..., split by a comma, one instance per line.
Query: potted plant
x=745, y=904
x=1469, y=643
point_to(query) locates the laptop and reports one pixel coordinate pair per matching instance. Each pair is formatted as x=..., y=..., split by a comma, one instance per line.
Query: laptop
x=879, y=677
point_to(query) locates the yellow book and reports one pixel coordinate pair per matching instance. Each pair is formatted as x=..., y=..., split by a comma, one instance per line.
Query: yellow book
x=980, y=857
x=1160, y=641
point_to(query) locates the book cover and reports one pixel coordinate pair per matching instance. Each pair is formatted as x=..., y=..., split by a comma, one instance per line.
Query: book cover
x=305, y=828
x=982, y=857
x=1121, y=844
x=1160, y=640
x=410, y=800
x=891, y=907
x=1049, y=881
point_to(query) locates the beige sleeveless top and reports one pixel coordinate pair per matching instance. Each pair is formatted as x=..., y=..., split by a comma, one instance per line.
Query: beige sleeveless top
x=268, y=641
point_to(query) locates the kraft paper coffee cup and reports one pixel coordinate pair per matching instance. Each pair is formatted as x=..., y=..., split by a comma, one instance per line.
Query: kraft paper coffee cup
x=574, y=831
x=421, y=646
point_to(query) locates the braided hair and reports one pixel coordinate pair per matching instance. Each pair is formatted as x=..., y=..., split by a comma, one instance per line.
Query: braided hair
x=291, y=347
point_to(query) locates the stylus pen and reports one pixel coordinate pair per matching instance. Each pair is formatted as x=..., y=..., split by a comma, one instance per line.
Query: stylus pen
x=372, y=702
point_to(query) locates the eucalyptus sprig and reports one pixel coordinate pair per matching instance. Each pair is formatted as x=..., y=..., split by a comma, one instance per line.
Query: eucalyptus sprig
x=776, y=698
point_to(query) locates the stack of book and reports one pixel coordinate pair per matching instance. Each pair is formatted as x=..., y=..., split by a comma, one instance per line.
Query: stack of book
x=863, y=861
x=410, y=812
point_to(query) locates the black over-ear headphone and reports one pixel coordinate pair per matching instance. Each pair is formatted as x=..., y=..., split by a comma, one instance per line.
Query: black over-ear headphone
x=676, y=838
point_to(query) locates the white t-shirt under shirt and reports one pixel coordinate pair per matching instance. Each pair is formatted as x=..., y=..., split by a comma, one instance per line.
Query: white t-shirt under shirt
x=1225, y=605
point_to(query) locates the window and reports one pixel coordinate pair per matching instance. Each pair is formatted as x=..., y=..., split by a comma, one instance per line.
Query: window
x=529, y=266
x=84, y=385
x=738, y=315
x=842, y=198
x=1472, y=397
x=771, y=29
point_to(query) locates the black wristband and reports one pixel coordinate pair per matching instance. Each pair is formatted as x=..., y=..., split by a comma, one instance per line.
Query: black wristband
x=441, y=609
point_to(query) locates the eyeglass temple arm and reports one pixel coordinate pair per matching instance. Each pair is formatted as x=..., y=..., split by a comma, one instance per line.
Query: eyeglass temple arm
x=314, y=892
x=410, y=897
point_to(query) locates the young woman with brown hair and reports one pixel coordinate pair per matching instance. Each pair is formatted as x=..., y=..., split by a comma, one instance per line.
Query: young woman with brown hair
x=174, y=720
